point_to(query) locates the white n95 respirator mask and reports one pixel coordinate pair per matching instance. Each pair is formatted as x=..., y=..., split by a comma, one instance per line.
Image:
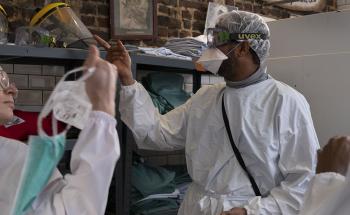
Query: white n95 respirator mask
x=212, y=59
x=69, y=101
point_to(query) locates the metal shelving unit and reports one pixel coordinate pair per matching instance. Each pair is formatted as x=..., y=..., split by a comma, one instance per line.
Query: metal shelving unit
x=153, y=63
x=71, y=58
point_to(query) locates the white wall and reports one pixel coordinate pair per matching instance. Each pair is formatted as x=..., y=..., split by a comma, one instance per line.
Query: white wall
x=312, y=54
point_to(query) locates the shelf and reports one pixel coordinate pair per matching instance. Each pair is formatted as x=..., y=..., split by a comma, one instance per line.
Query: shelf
x=146, y=59
x=33, y=55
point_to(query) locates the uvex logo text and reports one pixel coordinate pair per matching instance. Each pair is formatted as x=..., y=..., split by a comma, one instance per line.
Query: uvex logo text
x=248, y=36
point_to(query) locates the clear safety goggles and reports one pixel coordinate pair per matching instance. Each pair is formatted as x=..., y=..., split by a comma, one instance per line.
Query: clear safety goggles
x=6, y=86
x=218, y=36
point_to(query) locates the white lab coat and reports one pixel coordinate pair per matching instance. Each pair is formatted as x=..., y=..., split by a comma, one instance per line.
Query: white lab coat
x=85, y=191
x=271, y=125
x=329, y=193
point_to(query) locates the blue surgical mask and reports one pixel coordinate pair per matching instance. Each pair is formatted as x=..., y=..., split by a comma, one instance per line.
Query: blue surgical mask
x=46, y=151
x=42, y=158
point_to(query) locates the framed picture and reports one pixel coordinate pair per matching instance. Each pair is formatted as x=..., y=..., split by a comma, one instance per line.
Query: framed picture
x=133, y=19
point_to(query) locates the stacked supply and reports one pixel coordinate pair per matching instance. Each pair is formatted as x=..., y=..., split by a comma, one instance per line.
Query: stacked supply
x=166, y=90
x=154, y=190
x=189, y=46
x=163, y=52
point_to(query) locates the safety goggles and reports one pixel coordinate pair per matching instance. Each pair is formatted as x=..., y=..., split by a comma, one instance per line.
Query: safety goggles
x=218, y=36
x=5, y=84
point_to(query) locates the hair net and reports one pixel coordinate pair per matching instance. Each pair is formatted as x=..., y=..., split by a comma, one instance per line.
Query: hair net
x=246, y=22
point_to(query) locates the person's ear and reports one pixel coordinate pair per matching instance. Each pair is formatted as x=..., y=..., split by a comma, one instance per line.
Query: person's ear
x=243, y=49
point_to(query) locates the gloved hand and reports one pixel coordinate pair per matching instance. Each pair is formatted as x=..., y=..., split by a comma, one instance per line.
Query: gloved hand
x=101, y=85
x=120, y=57
x=335, y=156
x=235, y=211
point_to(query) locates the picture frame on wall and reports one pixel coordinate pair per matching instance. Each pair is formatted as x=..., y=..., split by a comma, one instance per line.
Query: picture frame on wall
x=134, y=19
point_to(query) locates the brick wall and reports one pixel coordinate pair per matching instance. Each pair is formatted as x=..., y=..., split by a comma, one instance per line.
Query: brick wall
x=176, y=18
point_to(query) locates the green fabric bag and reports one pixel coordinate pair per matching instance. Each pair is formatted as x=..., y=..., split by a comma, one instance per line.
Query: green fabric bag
x=150, y=180
x=168, y=87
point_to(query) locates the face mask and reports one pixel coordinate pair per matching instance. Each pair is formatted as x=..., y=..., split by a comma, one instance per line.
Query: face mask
x=43, y=156
x=44, y=151
x=212, y=59
x=69, y=100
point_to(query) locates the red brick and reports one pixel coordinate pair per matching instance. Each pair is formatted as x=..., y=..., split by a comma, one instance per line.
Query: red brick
x=162, y=31
x=163, y=20
x=248, y=6
x=173, y=33
x=185, y=34
x=168, y=2
x=199, y=15
x=196, y=33
x=230, y=2
x=186, y=14
x=163, y=9
x=174, y=23
x=88, y=20
x=173, y=12
x=192, y=4
x=103, y=22
x=104, y=35
x=103, y=10
x=187, y=24
x=88, y=8
x=198, y=26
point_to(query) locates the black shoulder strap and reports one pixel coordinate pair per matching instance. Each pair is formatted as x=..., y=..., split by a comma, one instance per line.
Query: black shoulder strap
x=236, y=151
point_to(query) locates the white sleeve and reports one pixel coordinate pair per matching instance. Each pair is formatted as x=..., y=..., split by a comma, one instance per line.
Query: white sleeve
x=297, y=161
x=85, y=191
x=152, y=130
x=322, y=193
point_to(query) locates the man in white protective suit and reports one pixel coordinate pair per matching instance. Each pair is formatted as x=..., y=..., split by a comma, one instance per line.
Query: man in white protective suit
x=329, y=192
x=95, y=153
x=266, y=166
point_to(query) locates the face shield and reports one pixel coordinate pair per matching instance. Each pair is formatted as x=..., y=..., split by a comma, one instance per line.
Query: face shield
x=66, y=29
x=3, y=26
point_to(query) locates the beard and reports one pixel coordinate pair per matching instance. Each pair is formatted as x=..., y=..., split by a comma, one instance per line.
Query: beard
x=226, y=69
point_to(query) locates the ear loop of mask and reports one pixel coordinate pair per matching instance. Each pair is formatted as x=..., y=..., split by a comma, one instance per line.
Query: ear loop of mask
x=228, y=53
x=48, y=107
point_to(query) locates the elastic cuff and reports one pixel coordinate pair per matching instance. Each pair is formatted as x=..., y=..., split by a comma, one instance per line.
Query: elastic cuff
x=128, y=87
x=100, y=115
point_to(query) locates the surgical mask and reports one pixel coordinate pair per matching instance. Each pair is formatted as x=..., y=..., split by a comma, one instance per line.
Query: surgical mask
x=212, y=59
x=46, y=151
x=43, y=156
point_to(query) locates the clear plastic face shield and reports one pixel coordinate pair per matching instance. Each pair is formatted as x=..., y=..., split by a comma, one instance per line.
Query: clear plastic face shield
x=3, y=26
x=5, y=84
x=63, y=25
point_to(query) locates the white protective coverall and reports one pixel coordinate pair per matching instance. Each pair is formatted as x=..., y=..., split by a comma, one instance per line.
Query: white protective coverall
x=85, y=191
x=271, y=125
x=329, y=193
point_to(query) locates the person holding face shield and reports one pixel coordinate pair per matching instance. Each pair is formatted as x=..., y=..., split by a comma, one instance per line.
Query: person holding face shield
x=250, y=142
